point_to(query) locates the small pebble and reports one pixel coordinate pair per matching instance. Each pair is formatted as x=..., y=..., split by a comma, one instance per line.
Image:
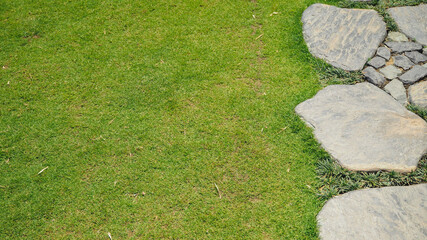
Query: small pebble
x=397, y=37
x=377, y=62
x=390, y=72
x=416, y=57
x=403, y=62
x=384, y=53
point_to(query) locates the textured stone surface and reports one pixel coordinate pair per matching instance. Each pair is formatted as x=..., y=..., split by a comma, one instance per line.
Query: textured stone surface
x=345, y=38
x=377, y=62
x=373, y=76
x=399, y=47
x=397, y=37
x=425, y=51
x=418, y=94
x=415, y=74
x=381, y=213
x=416, y=57
x=390, y=72
x=365, y=129
x=396, y=89
x=403, y=62
x=384, y=53
x=412, y=21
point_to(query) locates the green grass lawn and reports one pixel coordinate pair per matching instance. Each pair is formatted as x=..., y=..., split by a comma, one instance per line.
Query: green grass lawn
x=139, y=108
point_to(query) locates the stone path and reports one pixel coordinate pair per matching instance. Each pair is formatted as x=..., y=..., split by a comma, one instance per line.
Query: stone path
x=345, y=38
x=382, y=213
x=366, y=127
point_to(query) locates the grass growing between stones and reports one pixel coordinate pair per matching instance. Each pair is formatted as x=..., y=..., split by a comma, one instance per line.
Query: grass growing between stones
x=330, y=75
x=419, y=111
x=155, y=119
x=335, y=180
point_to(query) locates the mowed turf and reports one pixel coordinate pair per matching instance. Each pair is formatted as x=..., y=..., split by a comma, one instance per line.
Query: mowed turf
x=155, y=119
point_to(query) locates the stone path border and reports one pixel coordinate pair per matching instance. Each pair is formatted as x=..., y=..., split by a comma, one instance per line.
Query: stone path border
x=358, y=124
x=398, y=63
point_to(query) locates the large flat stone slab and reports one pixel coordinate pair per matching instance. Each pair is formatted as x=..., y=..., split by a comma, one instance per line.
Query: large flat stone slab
x=381, y=213
x=365, y=129
x=345, y=38
x=412, y=21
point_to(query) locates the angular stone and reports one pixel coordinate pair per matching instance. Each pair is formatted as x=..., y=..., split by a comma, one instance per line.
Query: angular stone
x=390, y=72
x=373, y=76
x=412, y=21
x=379, y=213
x=396, y=89
x=418, y=94
x=365, y=129
x=403, y=62
x=345, y=38
x=416, y=57
x=397, y=37
x=415, y=74
x=384, y=53
x=399, y=47
x=377, y=62
x=425, y=51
